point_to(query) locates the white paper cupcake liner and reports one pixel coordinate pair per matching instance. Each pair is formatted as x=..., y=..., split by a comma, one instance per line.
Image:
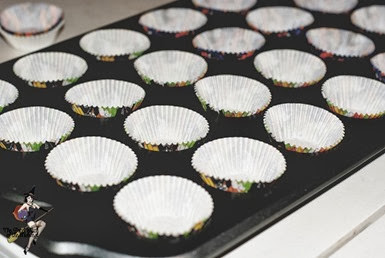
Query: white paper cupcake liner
x=233, y=164
x=50, y=69
x=233, y=95
x=8, y=94
x=171, y=68
x=91, y=163
x=229, y=40
x=166, y=128
x=327, y=6
x=163, y=206
x=340, y=42
x=30, y=18
x=370, y=18
x=378, y=63
x=104, y=98
x=355, y=96
x=173, y=20
x=278, y=19
x=110, y=44
x=303, y=128
x=290, y=68
x=32, y=42
x=28, y=129
x=236, y=6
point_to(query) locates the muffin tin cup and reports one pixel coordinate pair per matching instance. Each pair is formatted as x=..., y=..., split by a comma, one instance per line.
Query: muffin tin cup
x=217, y=92
x=110, y=45
x=229, y=43
x=333, y=43
x=171, y=22
x=378, y=63
x=290, y=68
x=8, y=94
x=303, y=128
x=235, y=164
x=105, y=98
x=212, y=7
x=21, y=129
x=50, y=69
x=166, y=128
x=92, y=163
x=280, y=21
x=186, y=68
x=355, y=96
x=148, y=215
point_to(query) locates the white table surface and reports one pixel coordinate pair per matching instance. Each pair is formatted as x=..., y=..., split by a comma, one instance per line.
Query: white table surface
x=346, y=221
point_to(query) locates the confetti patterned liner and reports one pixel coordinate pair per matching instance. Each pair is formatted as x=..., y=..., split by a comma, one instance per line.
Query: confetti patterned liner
x=290, y=68
x=171, y=68
x=303, y=128
x=166, y=128
x=281, y=21
x=92, y=163
x=235, y=164
x=110, y=45
x=232, y=95
x=212, y=7
x=8, y=94
x=105, y=98
x=230, y=43
x=160, y=215
x=355, y=96
x=378, y=63
x=32, y=128
x=172, y=22
x=50, y=69
x=339, y=44
x=370, y=18
x=327, y=6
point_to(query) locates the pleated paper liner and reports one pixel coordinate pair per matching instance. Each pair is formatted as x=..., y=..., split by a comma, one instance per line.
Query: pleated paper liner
x=232, y=95
x=230, y=43
x=290, y=68
x=105, y=98
x=303, y=128
x=32, y=42
x=212, y=7
x=88, y=164
x=378, y=63
x=30, y=19
x=172, y=22
x=50, y=69
x=370, y=18
x=8, y=94
x=282, y=21
x=111, y=45
x=33, y=128
x=355, y=96
x=339, y=44
x=171, y=68
x=235, y=164
x=163, y=207
x=327, y=6
x=166, y=128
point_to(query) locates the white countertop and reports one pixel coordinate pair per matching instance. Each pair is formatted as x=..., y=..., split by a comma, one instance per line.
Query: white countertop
x=346, y=221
